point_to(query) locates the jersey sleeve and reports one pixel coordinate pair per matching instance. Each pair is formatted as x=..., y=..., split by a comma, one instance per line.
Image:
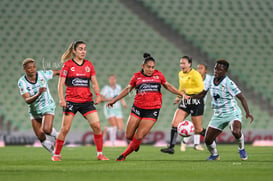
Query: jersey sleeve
x=180, y=85
x=92, y=71
x=47, y=74
x=163, y=79
x=22, y=87
x=233, y=89
x=207, y=82
x=133, y=81
x=64, y=70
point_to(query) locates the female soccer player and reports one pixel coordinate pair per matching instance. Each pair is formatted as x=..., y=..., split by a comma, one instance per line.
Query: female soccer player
x=76, y=75
x=226, y=111
x=114, y=115
x=191, y=84
x=34, y=90
x=202, y=69
x=147, y=104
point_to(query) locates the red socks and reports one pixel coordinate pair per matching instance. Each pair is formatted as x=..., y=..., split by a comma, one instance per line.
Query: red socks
x=98, y=139
x=58, y=146
x=132, y=146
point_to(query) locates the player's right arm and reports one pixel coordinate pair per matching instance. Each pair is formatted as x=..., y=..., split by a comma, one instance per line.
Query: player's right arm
x=123, y=93
x=30, y=99
x=60, y=91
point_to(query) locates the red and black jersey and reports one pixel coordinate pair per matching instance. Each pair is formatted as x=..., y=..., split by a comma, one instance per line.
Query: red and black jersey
x=148, y=95
x=78, y=80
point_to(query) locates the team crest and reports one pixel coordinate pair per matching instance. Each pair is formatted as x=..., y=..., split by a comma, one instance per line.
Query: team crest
x=72, y=69
x=87, y=69
x=65, y=72
x=222, y=88
x=42, y=81
x=156, y=77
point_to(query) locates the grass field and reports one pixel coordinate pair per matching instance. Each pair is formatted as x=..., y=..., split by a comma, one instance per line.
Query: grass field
x=79, y=163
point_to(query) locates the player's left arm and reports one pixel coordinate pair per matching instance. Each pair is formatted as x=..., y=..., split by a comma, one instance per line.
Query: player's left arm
x=56, y=72
x=96, y=88
x=172, y=89
x=245, y=106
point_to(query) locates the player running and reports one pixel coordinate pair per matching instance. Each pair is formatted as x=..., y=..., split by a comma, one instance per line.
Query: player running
x=76, y=75
x=202, y=69
x=226, y=111
x=34, y=90
x=190, y=83
x=147, y=104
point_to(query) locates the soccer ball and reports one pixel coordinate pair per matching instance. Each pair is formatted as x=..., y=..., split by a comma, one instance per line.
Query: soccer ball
x=185, y=128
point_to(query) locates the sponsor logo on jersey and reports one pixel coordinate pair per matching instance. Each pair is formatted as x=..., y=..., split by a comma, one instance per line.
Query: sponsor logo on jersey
x=79, y=82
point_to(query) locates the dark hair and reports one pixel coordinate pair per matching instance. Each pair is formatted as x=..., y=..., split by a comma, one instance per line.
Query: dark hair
x=188, y=58
x=147, y=57
x=205, y=65
x=76, y=43
x=224, y=63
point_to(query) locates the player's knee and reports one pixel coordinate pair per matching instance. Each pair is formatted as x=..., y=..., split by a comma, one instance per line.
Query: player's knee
x=64, y=131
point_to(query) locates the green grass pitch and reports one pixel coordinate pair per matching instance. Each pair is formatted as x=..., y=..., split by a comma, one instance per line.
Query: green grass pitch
x=79, y=163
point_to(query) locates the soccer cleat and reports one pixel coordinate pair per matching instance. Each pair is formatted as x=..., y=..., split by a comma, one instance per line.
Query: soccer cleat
x=56, y=158
x=102, y=157
x=213, y=157
x=120, y=158
x=198, y=148
x=182, y=146
x=243, y=154
x=167, y=150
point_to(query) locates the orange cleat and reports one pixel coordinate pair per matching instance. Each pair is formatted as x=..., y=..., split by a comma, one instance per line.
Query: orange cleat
x=56, y=158
x=102, y=157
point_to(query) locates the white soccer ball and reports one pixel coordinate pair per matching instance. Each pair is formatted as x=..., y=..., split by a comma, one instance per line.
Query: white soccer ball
x=185, y=128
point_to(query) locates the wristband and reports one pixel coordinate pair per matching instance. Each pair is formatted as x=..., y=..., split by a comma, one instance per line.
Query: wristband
x=97, y=94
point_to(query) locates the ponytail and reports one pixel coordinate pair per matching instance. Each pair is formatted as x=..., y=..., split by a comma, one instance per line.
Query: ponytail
x=68, y=54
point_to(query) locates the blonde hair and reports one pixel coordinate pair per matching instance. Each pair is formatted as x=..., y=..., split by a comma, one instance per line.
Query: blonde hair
x=26, y=61
x=68, y=54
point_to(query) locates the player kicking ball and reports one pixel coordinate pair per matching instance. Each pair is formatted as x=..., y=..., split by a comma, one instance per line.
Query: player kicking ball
x=226, y=111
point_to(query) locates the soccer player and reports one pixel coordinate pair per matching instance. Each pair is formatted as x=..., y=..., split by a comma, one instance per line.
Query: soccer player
x=76, y=74
x=34, y=90
x=147, y=104
x=191, y=84
x=226, y=111
x=202, y=69
x=114, y=114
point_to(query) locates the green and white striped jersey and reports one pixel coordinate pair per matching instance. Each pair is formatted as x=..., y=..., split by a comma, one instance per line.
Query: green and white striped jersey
x=223, y=95
x=45, y=99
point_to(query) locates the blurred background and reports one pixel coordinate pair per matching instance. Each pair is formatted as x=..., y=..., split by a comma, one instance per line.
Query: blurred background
x=118, y=32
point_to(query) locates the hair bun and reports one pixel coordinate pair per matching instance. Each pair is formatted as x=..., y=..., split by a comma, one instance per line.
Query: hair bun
x=146, y=55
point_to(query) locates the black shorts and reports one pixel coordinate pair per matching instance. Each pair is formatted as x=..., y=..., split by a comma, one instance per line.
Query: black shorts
x=84, y=108
x=151, y=114
x=195, y=107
